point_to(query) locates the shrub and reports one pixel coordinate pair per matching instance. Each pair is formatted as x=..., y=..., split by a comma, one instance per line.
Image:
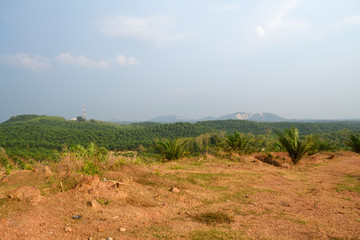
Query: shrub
x=297, y=148
x=171, y=150
x=4, y=158
x=90, y=168
x=240, y=143
x=354, y=142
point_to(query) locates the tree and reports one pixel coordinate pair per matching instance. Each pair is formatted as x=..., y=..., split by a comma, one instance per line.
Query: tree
x=297, y=148
x=240, y=143
x=80, y=119
x=354, y=142
x=171, y=149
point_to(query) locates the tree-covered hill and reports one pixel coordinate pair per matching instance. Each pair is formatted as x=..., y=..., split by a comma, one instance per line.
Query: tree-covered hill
x=35, y=135
x=259, y=128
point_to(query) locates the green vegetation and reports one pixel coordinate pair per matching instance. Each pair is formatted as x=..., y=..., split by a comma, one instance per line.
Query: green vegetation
x=240, y=143
x=297, y=148
x=354, y=142
x=350, y=183
x=87, y=160
x=171, y=149
x=213, y=218
x=30, y=138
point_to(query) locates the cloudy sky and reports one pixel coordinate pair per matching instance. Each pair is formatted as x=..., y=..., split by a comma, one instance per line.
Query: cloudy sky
x=138, y=59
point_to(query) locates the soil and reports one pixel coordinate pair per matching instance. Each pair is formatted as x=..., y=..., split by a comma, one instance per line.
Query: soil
x=317, y=199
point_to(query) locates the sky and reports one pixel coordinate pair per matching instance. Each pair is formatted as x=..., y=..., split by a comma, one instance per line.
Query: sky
x=139, y=59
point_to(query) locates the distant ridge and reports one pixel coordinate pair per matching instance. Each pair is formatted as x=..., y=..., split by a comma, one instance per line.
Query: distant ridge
x=257, y=117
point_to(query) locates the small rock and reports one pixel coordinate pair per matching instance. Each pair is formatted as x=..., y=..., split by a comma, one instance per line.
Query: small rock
x=109, y=238
x=101, y=229
x=285, y=204
x=122, y=229
x=68, y=229
x=174, y=190
x=94, y=204
x=77, y=216
x=165, y=204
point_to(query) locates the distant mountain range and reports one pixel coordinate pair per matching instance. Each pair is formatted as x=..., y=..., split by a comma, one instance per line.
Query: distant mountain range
x=257, y=117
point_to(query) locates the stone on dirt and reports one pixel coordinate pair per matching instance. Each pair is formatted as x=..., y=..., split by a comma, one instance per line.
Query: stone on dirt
x=174, y=190
x=94, y=204
x=26, y=193
x=68, y=229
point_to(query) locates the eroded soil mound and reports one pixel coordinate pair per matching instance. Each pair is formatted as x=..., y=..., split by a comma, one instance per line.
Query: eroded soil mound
x=26, y=193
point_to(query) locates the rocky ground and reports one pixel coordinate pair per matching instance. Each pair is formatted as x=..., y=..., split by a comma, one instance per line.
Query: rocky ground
x=197, y=198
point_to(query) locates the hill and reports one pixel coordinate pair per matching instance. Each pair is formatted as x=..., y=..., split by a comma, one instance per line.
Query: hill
x=42, y=137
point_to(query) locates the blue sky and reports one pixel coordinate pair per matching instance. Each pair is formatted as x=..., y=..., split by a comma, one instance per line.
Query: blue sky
x=135, y=60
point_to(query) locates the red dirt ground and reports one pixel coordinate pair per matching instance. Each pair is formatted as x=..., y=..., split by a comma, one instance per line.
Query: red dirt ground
x=319, y=199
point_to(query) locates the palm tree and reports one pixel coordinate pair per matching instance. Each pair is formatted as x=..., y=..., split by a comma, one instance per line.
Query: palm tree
x=354, y=142
x=240, y=143
x=171, y=149
x=296, y=147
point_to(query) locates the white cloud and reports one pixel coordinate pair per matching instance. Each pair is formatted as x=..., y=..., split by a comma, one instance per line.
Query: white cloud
x=122, y=60
x=27, y=61
x=260, y=31
x=280, y=21
x=157, y=30
x=352, y=20
x=226, y=7
x=82, y=61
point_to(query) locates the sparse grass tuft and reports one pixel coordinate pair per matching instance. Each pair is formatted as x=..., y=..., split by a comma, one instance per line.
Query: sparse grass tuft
x=213, y=218
x=350, y=183
x=103, y=201
x=214, y=234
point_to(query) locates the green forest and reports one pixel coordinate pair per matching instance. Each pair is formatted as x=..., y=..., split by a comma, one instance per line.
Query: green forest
x=39, y=137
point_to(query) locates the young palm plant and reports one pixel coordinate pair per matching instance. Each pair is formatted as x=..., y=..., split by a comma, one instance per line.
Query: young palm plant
x=171, y=149
x=354, y=142
x=240, y=143
x=296, y=147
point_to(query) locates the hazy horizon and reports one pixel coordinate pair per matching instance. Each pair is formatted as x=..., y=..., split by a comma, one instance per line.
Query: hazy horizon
x=137, y=60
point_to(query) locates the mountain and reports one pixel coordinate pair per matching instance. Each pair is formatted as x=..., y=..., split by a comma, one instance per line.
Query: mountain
x=257, y=117
x=170, y=119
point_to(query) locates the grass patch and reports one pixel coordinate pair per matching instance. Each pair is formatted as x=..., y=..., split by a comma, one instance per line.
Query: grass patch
x=213, y=218
x=103, y=201
x=197, y=163
x=350, y=183
x=214, y=234
x=177, y=167
x=160, y=232
x=283, y=215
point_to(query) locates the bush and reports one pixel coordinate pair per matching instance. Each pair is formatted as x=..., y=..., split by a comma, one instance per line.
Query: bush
x=171, y=150
x=240, y=143
x=90, y=168
x=354, y=142
x=297, y=148
x=4, y=158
